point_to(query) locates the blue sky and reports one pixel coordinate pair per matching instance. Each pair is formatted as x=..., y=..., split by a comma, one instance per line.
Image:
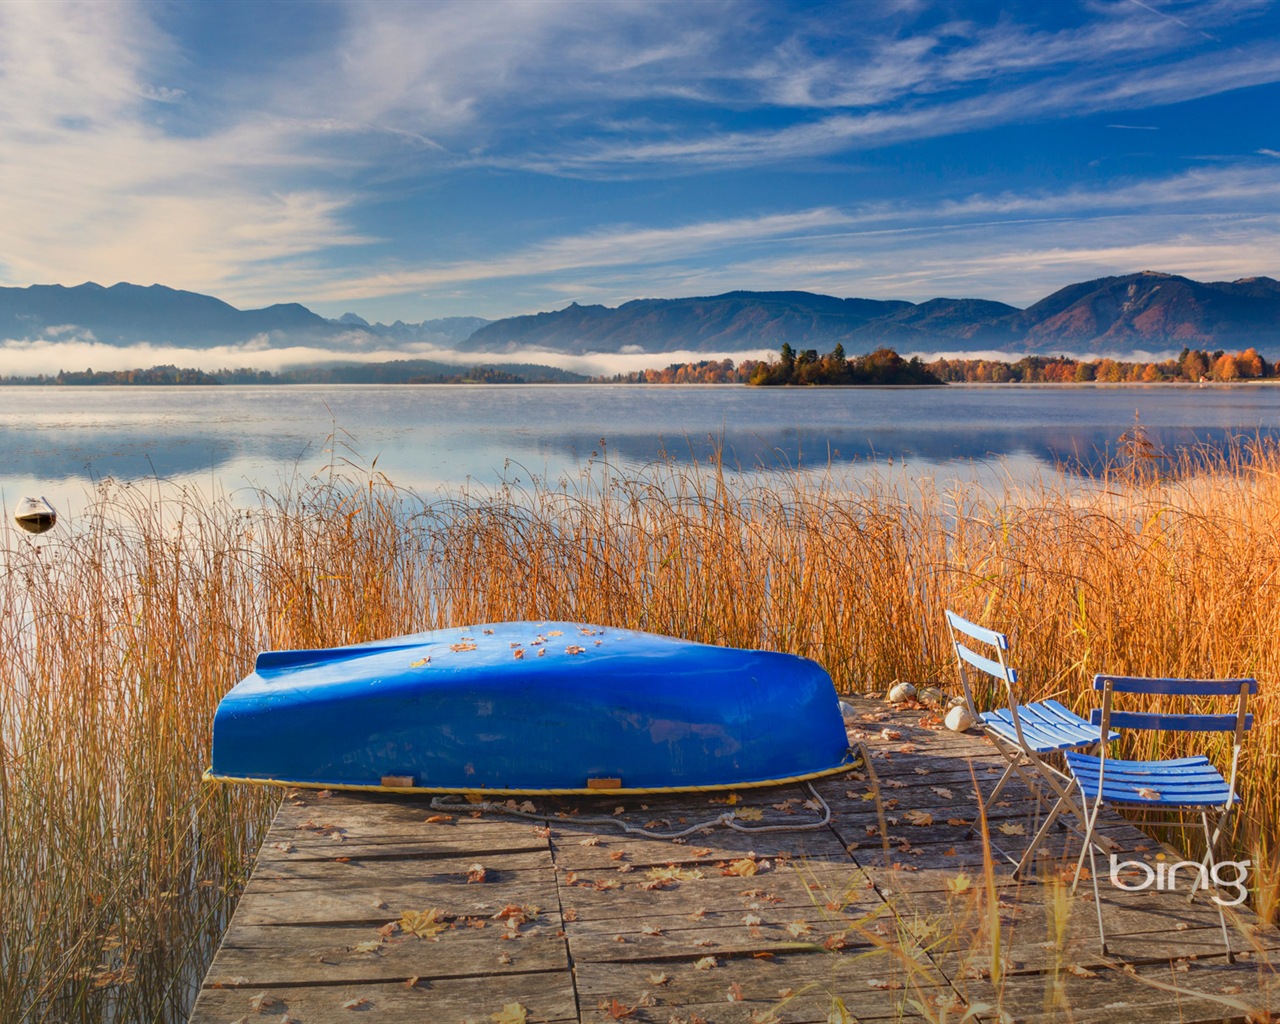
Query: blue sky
x=410, y=161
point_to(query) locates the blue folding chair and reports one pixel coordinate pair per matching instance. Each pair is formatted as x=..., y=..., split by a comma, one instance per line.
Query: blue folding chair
x=1026, y=734
x=1177, y=785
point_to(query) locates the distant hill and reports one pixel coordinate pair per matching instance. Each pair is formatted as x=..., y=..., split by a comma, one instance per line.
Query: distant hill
x=446, y=331
x=1115, y=316
x=129, y=314
x=126, y=314
x=736, y=320
x=1154, y=311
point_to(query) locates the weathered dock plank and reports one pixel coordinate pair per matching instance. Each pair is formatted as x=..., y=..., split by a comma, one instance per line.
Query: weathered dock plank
x=364, y=908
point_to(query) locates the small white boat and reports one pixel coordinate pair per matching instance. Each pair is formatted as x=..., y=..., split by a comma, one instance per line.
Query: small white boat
x=35, y=515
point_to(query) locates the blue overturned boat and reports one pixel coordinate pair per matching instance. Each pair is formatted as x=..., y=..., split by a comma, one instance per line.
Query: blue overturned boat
x=530, y=707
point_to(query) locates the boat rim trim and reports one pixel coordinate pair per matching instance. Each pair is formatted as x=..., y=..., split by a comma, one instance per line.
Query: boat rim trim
x=852, y=761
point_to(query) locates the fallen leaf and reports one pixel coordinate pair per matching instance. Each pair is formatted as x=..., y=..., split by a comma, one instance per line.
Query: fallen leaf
x=260, y=1002
x=463, y=647
x=420, y=662
x=370, y=946
x=511, y=1013
x=650, y=930
x=675, y=873
x=355, y=1004
x=734, y=994
x=556, y=632
x=961, y=883
x=476, y=873
x=744, y=868
x=1013, y=829
x=439, y=819
x=1081, y=972
x=749, y=813
x=1148, y=794
x=707, y=963
x=798, y=928
x=659, y=979
x=918, y=818
x=575, y=649
x=590, y=841
x=943, y=792
x=425, y=924
x=884, y=984
x=615, y=1010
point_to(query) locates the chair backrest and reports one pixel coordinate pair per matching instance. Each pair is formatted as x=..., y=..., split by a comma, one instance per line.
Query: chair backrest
x=1238, y=721
x=967, y=658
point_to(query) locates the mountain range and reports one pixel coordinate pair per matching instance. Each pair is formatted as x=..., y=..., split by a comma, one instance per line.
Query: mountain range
x=1146, y=312
x=129, y=314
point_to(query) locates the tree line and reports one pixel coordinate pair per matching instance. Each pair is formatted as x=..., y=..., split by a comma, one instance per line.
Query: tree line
x=806, y=367
x=885, y=366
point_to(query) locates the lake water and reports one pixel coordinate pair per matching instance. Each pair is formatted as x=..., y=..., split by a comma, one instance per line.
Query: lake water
x=59, y=441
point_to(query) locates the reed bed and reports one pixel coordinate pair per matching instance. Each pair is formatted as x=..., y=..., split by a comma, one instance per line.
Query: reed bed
x=123, y=628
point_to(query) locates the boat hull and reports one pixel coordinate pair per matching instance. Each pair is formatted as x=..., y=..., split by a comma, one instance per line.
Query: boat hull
x=580, y=708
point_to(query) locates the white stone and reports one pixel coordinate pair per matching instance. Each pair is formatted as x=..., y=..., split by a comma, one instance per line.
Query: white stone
x=959, y=720
x=901, y=691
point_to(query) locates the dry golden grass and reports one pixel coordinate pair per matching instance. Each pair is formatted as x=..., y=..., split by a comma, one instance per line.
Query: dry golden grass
x=122, y=629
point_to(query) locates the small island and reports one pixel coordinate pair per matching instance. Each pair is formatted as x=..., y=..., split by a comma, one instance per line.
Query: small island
x=883, y=366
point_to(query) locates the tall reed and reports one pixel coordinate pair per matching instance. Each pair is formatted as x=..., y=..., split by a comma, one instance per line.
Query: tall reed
x=123, y=628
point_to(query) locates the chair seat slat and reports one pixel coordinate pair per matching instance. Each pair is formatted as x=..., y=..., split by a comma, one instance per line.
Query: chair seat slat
x=1187, y=782
x=1046, y=726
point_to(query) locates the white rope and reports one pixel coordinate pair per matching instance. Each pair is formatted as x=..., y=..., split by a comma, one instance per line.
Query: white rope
x=728, y=818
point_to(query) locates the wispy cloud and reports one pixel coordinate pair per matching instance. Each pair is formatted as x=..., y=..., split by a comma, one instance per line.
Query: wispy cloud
x=596, y=250
x=1014, y=246
x=99, y=192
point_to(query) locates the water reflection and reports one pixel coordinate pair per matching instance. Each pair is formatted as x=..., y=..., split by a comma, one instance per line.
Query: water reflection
x=65, y=439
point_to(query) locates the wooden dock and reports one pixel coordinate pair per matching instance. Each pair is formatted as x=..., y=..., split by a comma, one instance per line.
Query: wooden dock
x=386, y=909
